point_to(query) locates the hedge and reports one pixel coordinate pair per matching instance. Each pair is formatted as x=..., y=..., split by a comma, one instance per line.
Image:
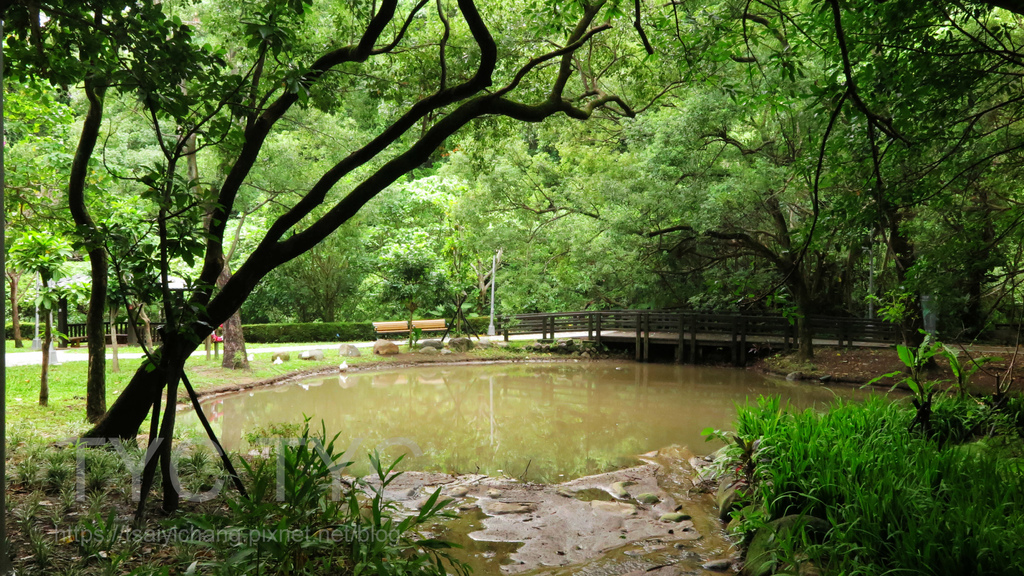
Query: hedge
x=326, y=331
x=309, y=332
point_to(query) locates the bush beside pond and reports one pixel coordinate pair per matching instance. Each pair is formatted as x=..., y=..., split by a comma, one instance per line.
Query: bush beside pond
x=328, y=331
x=893, y=501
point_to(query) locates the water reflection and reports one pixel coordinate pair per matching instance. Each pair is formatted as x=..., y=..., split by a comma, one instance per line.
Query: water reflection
x=550, y=421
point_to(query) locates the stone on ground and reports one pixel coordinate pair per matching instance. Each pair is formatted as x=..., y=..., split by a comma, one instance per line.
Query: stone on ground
x=348, y=350
x=385, y=348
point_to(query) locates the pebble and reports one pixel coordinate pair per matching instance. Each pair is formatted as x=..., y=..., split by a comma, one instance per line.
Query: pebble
x=674, y=517
x=647, y=498
x=720, y=565
x=458, y=492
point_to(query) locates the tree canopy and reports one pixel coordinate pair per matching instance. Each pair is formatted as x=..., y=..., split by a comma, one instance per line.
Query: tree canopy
x=308, y=160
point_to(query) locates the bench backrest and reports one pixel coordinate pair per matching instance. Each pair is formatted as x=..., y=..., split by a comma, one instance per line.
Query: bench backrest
x=397, y=326
x=430, y=324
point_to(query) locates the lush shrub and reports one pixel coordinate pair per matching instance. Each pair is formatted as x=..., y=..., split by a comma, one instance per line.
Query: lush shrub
x=309, y=332
x=311, y=521
x=330, y=331
x=895, y=502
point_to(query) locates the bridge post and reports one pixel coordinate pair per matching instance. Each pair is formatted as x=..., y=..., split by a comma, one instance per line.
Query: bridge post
x=597, y=338
x=590, y=326
x=647, y=336
x=733, y=345
x=639, y=319
x=743, y=342
x=693, y=338
x=679, y=345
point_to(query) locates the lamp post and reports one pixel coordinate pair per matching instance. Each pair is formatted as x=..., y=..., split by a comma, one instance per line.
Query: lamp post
x=494, y=280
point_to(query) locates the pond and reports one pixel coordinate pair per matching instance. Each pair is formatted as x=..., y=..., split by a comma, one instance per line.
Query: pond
x=542, y=422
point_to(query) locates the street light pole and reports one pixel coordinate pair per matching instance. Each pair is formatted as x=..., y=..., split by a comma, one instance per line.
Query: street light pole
x=494, y=268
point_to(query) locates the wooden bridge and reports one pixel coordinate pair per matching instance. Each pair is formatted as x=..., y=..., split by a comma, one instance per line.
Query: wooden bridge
x=691, y=332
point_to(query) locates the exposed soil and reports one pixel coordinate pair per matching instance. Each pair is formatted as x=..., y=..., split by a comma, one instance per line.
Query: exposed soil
x=861, y=365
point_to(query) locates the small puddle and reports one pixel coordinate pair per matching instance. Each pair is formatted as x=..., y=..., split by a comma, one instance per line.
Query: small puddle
x=486, y=558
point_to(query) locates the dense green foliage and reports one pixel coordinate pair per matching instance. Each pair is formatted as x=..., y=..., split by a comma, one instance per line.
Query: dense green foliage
x=894, y=500
x=309, y=332
x=796, y=160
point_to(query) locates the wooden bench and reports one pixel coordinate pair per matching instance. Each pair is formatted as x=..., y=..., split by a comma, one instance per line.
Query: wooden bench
x=402, y=327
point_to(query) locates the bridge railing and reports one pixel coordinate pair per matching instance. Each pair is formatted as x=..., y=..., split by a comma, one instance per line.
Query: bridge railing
x=737, y=326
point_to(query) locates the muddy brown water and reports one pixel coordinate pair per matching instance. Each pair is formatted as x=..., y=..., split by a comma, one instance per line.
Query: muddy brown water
x=539, y=422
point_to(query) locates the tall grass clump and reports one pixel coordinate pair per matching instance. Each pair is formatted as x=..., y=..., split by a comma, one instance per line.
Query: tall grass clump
x=895, y=501
x=301, y=517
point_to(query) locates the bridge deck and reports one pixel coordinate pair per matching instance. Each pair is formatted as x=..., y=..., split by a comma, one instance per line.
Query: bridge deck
x=690, y=332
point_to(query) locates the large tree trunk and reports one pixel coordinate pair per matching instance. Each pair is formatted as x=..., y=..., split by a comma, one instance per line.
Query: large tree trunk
x=235, y=356
x=904, y=258
x=44, y=376
x=13, y=277
x=805, y=332
x=96, y=380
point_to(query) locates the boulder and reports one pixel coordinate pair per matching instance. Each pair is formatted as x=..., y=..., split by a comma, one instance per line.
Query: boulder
x=484, y=344
x=312, y=354
x=460, y=344
x=445, y=352
x=433, y=343
x=429, y=351
x=794, y=376
x=348, y=350
x=770, y=540
x=727, y=498
x=282, y=356
x=385, y=348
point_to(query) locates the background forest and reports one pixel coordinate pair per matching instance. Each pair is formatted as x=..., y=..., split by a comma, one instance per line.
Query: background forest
x=792, y=157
